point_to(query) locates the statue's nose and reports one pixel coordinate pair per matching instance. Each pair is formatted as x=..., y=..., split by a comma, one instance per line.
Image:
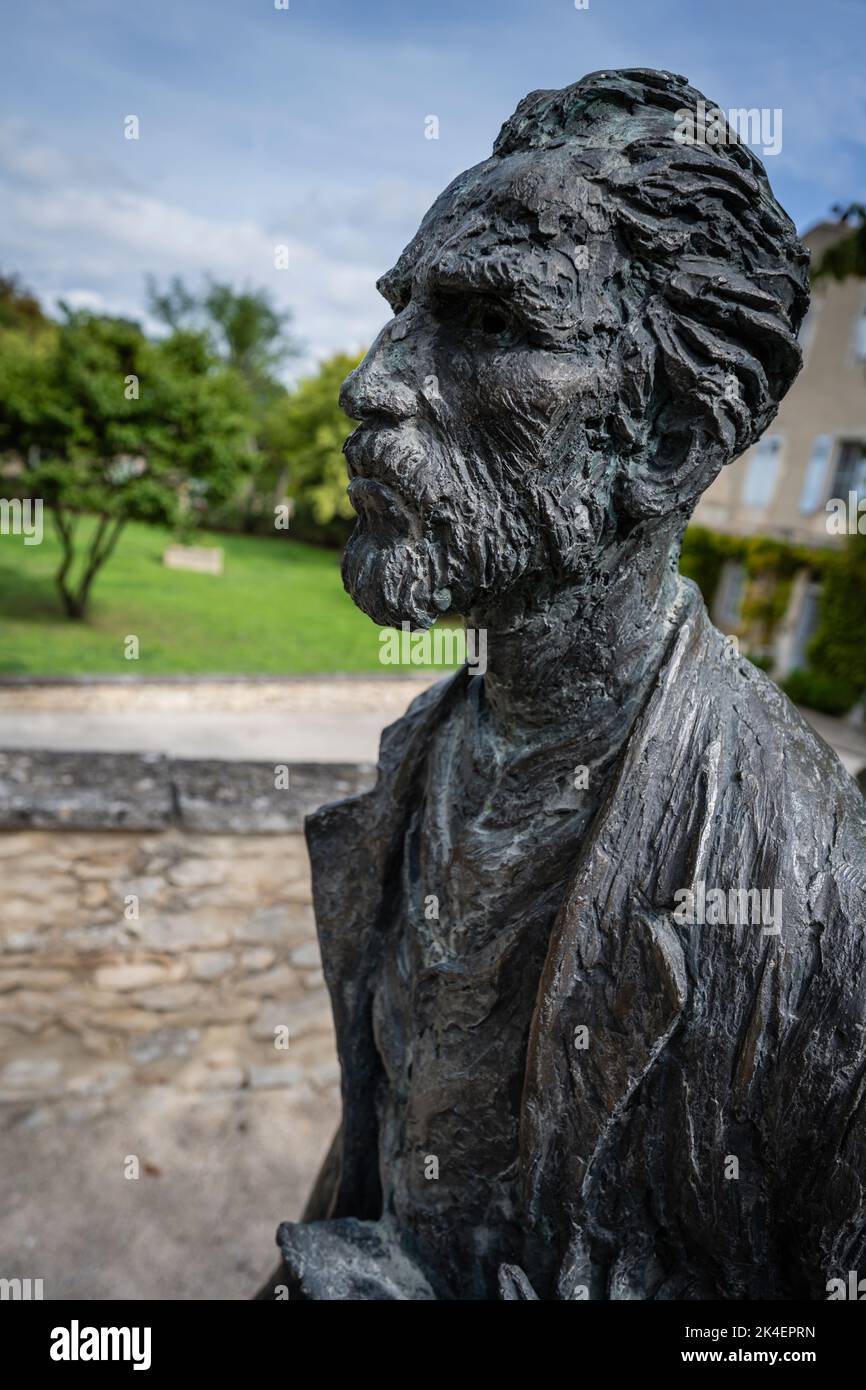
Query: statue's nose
x=377, y=385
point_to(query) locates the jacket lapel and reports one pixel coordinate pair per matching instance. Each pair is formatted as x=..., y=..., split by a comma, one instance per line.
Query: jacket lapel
x=354, y=848
x=615, y=981
x=615, y=964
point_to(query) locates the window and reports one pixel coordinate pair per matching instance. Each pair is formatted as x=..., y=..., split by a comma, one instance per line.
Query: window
x=762, y=471
x=807, y=626
x=850, y=475
x=729, y=596
x=860, y=336
x=814, y=493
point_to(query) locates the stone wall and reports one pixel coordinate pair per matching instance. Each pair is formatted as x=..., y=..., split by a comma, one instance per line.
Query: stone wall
x=157, y=945
x=167, y=952
x=184, y=987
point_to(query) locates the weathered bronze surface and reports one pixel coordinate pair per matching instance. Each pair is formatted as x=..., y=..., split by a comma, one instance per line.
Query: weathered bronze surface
x=555, y=1084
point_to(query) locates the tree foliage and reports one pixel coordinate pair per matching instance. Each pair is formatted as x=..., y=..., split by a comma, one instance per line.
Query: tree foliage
x=249, y=333
x=305, y=431
x=244, y=327
x=847, y=256
x=102, y=421
x=839, y=645
x=19, y=309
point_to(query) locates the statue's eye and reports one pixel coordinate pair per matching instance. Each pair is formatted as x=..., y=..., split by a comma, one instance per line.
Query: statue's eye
x=492, y=319
x=479, y=318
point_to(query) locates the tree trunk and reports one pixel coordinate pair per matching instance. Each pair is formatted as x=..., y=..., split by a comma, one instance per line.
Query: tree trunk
x=66, y=532
x=75, y=597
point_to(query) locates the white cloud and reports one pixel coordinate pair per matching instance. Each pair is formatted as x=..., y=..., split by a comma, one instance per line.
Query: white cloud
x=306, y=128
x=92, y=244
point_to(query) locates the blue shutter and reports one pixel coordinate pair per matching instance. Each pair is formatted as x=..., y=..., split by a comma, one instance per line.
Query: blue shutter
x=860, y=336
x=762, y=472
x=814, y=493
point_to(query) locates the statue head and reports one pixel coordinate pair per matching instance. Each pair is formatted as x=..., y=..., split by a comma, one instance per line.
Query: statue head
x=586, y=328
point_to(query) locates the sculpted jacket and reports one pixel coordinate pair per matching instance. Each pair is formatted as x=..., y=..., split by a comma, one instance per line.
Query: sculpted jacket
x=708, y=1140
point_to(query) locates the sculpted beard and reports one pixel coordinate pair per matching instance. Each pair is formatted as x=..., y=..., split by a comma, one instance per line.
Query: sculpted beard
x=434, y=529
x=442, y=529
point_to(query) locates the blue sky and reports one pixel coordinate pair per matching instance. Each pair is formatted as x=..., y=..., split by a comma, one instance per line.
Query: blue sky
x=305, y=127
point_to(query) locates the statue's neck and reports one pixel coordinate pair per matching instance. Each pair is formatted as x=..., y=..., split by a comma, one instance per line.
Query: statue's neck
x=576, y=663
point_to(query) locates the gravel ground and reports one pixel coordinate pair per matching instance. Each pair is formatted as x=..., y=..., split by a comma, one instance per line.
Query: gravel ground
x=217, y=1174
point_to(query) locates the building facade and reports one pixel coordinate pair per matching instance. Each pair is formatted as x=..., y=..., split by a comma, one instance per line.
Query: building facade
x=814, y=452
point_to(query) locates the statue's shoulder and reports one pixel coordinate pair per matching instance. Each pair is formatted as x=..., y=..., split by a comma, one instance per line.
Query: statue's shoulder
x=425, y=711
x=792, y=748
x=792, y=787
x=769, y=731
x=401, y=747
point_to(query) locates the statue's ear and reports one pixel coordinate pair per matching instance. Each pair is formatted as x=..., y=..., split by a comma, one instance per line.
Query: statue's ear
x=704, y=367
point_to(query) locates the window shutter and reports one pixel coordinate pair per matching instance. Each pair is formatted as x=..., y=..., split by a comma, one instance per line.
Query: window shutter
x=814, y=490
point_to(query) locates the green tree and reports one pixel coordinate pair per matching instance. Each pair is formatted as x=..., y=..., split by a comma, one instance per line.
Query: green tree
x=108, y=424
x=19, y=309
x=838, y=648
x=250, y=334
x=245, y=328
x=302, y=439
x=847, y=256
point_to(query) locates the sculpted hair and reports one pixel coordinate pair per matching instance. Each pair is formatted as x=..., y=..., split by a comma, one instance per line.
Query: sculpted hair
x=718, y=280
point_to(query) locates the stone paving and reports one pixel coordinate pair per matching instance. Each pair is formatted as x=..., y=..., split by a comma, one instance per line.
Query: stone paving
x=334, y=720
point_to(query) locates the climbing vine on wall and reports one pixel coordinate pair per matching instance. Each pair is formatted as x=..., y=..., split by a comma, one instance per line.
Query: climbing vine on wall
x=839, y=645
x=836, y=677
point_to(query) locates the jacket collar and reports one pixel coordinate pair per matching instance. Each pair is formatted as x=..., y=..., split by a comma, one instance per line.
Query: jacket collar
x=614, y=956
x=615, y=964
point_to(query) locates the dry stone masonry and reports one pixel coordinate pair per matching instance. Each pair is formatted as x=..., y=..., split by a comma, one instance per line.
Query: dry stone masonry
x=157, y=930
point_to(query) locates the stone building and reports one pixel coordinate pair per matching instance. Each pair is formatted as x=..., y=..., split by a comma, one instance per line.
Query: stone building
x=814, y=451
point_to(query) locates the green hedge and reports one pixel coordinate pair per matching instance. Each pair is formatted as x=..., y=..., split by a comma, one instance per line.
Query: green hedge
x=836, y=676
x=820, y=691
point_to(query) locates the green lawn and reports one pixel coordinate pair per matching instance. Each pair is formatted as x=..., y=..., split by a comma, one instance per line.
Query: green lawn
x=279, y=608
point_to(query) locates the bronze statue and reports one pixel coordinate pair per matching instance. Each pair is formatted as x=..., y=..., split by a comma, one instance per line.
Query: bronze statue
x=595, y=941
